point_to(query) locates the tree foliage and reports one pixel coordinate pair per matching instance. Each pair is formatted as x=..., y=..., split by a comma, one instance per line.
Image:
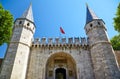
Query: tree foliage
x=115, y=41
x=117, y=19
x=6, y=23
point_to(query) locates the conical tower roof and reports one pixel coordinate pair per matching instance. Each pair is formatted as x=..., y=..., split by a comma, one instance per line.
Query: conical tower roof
x=90, y=15
x=28, y=14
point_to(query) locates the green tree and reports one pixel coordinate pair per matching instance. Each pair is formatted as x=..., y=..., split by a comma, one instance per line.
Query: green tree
x=115, y=41
x=6, y=23
x=117, y=19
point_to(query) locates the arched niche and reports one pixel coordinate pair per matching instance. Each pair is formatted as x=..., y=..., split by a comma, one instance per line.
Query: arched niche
x=63, y=61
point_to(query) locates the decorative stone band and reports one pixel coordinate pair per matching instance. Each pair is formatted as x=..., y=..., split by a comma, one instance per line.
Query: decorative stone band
x=105, y=42
x=21, y=43
x=26, y=23
x=96, y=23
x=66, y=46
x=25, y=19
x=25, y=26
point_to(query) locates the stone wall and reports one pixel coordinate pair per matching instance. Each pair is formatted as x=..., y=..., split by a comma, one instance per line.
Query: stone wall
x=117, y=53
x=42, y=56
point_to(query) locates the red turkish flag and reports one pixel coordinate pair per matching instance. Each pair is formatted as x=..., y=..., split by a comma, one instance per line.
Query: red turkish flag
x=61, y=30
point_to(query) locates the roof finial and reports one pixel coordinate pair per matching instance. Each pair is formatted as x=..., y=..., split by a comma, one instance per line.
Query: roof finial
x=30, y=3
x=28, y=13
x=90, y=15
x=86, y=4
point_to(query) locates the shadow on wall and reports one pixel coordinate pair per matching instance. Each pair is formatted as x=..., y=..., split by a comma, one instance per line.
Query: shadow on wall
x=1, y=59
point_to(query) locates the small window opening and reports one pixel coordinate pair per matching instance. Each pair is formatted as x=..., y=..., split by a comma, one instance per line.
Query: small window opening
x=91, y=25
x=98, y=23
x=20, y=22
x=28, y=24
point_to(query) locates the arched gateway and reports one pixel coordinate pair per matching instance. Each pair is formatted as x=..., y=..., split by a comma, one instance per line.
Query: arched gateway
x=61, y=66
x=59, y=58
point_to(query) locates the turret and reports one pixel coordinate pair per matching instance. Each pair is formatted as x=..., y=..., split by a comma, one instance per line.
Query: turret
x=102, y=54
x=95, y=28
x=26, y=27
x=16, y=59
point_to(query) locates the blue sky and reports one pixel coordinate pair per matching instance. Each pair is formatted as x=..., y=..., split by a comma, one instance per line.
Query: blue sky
x=49, y=15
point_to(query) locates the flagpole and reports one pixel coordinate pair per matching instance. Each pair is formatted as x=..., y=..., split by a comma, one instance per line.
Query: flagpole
x=61, y=32
x=60, y=36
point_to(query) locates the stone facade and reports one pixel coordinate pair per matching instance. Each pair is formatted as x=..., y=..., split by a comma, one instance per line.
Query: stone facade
x=47, y=57
x=117, y=53
x=59, y=58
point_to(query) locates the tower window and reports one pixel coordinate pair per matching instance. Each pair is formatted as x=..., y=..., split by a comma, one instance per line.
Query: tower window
x=98, y=23
x=28, y=24
x=91, y=25
x=20, y=22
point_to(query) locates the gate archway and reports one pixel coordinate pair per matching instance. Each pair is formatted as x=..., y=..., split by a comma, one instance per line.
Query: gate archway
x=61, y=64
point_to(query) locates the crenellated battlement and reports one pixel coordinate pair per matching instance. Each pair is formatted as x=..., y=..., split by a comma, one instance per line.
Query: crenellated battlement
x=76, y=41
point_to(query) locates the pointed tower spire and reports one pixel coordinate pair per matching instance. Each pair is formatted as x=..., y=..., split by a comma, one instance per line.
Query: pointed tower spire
x=28, y=13
x=90, y=15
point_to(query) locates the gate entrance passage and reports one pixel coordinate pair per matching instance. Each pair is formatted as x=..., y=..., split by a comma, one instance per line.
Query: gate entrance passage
x=60, y=73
